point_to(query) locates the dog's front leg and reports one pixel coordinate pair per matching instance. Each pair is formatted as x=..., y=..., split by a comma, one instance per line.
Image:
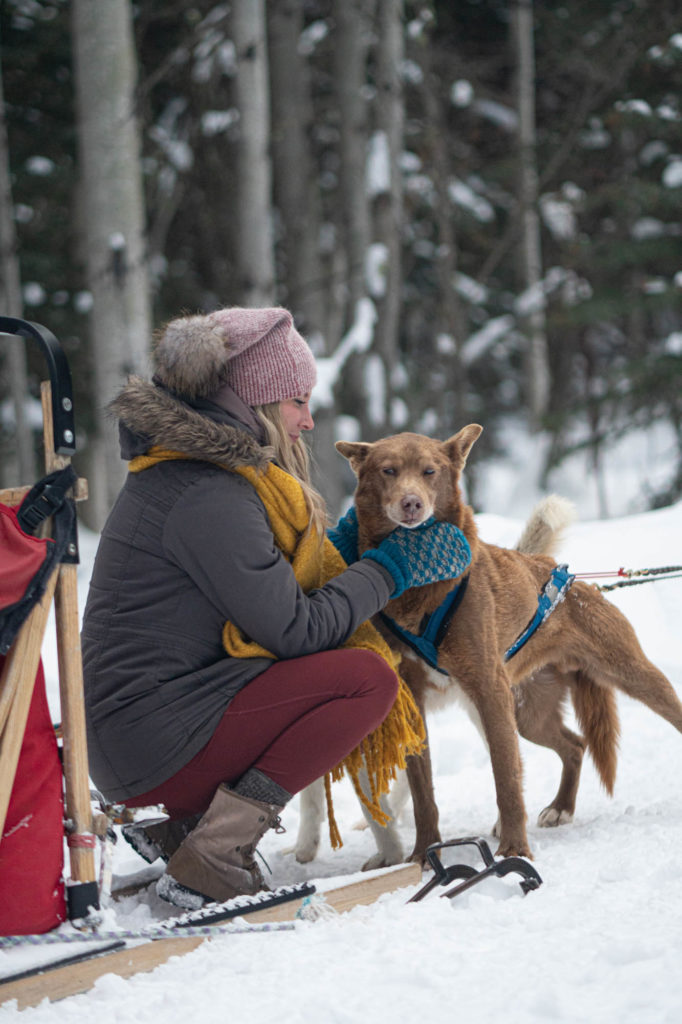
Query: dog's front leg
x=389, y=847
x=420, y=778
x=495, y=704
x=313, y=807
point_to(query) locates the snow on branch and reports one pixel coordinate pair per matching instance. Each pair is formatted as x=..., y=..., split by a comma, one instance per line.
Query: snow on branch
x=357, y=339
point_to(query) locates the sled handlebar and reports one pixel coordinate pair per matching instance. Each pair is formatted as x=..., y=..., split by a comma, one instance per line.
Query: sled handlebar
x=60, y=379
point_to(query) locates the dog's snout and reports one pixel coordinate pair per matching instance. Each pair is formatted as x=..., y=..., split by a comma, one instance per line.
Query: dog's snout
x=411, y=503
x=408, y=496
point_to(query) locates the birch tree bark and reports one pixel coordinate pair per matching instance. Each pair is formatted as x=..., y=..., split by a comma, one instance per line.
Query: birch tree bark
x=255, y=253
x=537, y=358
x=19, y=466
x=112, y=222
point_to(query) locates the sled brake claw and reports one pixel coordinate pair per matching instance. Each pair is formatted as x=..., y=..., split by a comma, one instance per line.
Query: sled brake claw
x=444, y=874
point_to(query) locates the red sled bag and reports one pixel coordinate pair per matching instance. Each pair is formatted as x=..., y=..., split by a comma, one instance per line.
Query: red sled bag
x=32, y=898
x=32, y=846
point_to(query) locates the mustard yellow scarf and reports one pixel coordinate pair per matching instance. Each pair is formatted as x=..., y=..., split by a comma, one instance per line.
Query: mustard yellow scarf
x=402, y=732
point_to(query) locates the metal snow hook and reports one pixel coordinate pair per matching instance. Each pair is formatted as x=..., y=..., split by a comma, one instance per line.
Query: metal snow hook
x=443, y=875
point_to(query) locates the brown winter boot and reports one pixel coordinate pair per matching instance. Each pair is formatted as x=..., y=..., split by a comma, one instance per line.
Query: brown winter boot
x=215, y=861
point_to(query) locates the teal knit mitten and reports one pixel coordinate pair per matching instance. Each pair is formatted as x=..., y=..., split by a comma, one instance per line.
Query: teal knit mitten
x=344, y=536
x=424, y=554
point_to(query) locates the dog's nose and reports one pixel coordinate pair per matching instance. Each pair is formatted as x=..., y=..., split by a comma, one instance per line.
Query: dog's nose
x=411, y=503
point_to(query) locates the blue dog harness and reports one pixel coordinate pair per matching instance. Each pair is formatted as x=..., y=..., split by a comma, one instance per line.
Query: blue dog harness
x=426, y=643
x=553, y=592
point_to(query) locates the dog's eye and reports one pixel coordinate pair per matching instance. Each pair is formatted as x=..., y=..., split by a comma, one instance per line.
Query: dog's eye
x=429, y=472
x=388, y=471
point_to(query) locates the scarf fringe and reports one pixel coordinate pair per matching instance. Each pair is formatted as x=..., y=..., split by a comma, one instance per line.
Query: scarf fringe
x=380, y=755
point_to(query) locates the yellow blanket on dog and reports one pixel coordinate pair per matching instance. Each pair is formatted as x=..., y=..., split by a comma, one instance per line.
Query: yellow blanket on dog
x=402, y=732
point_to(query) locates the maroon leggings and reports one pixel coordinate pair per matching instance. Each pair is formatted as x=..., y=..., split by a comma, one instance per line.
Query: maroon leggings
x=294, y=722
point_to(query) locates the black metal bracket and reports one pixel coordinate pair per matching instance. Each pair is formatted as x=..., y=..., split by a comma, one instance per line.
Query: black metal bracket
x=443, y=875
x=60, y=379
x=63, y=425
x=81, y=899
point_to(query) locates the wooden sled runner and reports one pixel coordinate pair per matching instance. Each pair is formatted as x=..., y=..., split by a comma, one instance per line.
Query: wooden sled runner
x=119, y=957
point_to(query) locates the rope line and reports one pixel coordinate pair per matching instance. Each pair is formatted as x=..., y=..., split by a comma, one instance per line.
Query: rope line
x=634, y=583
x=663, y=570
x=667, y=572
x=157, y=932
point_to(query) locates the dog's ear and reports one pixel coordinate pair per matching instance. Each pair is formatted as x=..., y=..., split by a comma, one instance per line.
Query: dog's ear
x=355, y=451
x=459, y=445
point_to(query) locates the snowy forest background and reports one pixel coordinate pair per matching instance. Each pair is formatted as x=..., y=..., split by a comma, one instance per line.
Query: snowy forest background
x=472, y=208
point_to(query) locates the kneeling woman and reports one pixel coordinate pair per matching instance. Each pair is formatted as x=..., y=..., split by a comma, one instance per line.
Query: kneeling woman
x=217, y=498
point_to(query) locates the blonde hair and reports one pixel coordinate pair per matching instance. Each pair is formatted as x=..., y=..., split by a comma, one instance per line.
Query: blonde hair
x=293, y=458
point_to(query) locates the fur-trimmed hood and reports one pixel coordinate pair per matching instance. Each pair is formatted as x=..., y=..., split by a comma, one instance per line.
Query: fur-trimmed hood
x=149, y=415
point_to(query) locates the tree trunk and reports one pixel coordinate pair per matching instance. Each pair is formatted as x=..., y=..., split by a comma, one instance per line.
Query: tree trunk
x=537, y=362
x=255, y=255
x=295, y=185
x=112, y=222
x=450, y=402
x=389, y=204
x=352, y=19
x=19, y=466
x=296, y=196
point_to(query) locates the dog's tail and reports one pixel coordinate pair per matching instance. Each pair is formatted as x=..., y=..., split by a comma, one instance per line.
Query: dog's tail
x=545, y=528
x=597, y=714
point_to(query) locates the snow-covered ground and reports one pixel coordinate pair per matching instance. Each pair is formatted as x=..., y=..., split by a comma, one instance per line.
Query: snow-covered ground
x=600, y=941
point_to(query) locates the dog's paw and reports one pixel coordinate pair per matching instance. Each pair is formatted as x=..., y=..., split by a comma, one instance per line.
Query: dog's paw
x=417, y=857
x=551, y=817
x=381, y=860
x=520, y=848
x=305, y=852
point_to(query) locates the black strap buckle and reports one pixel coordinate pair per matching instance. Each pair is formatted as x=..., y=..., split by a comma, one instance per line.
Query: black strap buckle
x=44, y=505
x=45, y=498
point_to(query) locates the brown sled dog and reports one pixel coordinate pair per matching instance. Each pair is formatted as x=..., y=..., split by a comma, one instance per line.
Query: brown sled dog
x=585, y=646
x=538, y=703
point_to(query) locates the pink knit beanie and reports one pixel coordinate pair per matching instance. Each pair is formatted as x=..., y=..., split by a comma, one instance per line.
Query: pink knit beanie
x=258, y=352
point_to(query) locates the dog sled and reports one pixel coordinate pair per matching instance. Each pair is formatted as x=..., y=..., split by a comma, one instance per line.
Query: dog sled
x=37, y=571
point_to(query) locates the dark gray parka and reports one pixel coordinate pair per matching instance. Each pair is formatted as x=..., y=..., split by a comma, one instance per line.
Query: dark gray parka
x=187, y=547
